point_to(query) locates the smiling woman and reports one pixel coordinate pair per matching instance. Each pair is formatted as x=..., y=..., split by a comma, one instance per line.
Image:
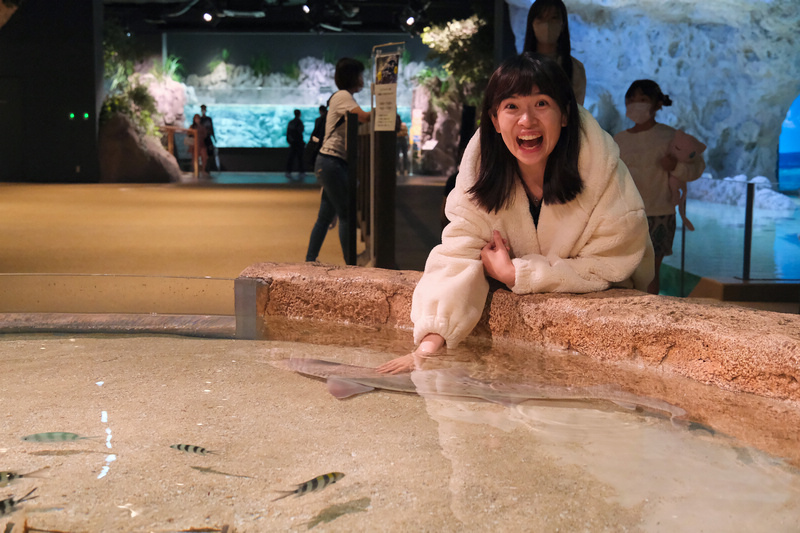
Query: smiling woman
x=541, y=204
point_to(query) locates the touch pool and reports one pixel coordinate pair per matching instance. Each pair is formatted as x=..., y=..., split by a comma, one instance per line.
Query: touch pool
x=429, y=462
x=613, y=411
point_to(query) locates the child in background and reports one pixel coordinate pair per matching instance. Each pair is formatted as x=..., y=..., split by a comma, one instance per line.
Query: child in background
x=644, y=148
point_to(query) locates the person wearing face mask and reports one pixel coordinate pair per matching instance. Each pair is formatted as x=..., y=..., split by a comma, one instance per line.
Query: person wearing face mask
x=548, y=33
x=542, y=203
x=645, y=150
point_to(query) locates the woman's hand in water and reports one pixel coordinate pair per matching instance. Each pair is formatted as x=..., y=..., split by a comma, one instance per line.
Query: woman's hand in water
x=406, y=363
x=497, y=261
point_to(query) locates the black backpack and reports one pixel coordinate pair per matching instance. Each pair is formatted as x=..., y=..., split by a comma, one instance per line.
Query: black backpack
x=315, y=143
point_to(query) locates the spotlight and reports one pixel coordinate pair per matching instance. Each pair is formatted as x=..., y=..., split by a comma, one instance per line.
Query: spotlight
x=207, y=17
x=411, y=18
x=323, y=16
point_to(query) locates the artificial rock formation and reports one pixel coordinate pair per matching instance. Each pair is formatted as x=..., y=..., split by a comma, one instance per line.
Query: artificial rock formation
x=5, y=12
x=125, y=158
x=730, y=67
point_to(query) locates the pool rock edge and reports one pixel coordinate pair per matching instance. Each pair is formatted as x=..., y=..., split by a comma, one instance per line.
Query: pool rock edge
x=737, y=349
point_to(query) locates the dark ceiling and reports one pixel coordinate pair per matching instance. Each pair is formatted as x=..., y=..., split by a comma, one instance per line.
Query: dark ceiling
x=362, y=16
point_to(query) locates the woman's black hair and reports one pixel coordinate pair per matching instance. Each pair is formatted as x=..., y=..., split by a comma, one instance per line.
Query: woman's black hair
x=563, y=46
x=498, y=170
x=347, y=72
x=650, y=89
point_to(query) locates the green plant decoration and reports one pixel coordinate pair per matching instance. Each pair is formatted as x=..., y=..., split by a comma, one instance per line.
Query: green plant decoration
x=329, y=55
x=221, y=58
x=170, y=69
x=292, y=71
x=464, y=50
x=260, y=64
x=120, y=54
x=444, y=92
x=137, y=104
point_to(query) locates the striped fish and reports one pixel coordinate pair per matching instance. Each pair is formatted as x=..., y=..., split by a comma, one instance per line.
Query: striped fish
x=318, y=483
x=9, y=505
x=190, y=448
x=54, y=436
x=7, y=477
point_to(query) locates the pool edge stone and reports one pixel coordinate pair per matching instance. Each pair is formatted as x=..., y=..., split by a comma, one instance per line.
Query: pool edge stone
x=734, y=348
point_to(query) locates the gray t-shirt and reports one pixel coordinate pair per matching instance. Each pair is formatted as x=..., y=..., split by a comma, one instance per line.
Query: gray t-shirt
x=334, y=144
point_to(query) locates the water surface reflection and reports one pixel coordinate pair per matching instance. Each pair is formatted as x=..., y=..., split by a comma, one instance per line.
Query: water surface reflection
x=412, y=462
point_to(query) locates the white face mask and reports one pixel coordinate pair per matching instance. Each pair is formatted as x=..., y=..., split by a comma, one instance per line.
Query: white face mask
x=548, y=31
x=639, y=112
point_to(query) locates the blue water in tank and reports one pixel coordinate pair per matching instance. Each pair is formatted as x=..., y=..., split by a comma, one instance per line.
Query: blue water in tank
x=260, y=125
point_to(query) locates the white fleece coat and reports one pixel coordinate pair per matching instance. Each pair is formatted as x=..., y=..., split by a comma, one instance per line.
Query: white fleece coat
x=598, y=240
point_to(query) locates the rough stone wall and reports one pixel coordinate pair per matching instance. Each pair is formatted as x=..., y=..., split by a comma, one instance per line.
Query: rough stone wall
x=125, y=158
x=731, y=68
x=734, y=348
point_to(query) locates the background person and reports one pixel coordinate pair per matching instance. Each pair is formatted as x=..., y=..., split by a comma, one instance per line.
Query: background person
x=542, y=203
x=645, y=150
x=294, y=136
x=198, y=130
x=317, y=135
x=209, y=143
x=331, y=163
x=548, y=33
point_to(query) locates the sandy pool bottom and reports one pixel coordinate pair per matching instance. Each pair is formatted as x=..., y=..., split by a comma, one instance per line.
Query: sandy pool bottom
x=410, y=463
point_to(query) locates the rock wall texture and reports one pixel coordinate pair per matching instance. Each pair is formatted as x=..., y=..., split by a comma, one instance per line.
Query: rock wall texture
x=730, y=66
x=734, y=348
x=125, y=158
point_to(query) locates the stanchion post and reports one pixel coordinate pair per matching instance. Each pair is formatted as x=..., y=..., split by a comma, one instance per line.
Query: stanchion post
x=351, y=254
x=748, y=230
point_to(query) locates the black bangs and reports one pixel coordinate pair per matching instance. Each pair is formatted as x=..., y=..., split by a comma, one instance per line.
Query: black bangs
x=514, y=80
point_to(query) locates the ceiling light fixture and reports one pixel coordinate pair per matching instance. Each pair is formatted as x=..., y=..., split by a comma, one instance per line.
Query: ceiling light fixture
x=411, y=18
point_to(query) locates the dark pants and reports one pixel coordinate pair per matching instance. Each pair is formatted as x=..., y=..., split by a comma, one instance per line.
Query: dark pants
x=332, y=173
x=296, y=155
x=212, y=161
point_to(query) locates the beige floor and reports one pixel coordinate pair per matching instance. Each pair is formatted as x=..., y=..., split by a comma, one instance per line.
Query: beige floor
x=78, y=248
x=145, y=248
x=155, y=230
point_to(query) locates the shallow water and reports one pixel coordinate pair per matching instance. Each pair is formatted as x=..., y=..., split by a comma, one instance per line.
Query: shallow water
x=410, y=462
x=716, y=247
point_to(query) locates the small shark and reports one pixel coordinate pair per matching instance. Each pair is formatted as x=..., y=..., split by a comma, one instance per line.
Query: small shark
x=348, y=380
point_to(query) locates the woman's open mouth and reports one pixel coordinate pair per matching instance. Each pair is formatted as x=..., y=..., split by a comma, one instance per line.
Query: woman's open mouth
x=529, y=141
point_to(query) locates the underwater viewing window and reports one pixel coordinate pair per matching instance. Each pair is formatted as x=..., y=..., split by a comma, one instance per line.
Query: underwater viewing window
x=789, y=150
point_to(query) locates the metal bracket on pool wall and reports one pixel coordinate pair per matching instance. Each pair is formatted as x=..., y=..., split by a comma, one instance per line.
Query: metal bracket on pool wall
x=246, y=307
